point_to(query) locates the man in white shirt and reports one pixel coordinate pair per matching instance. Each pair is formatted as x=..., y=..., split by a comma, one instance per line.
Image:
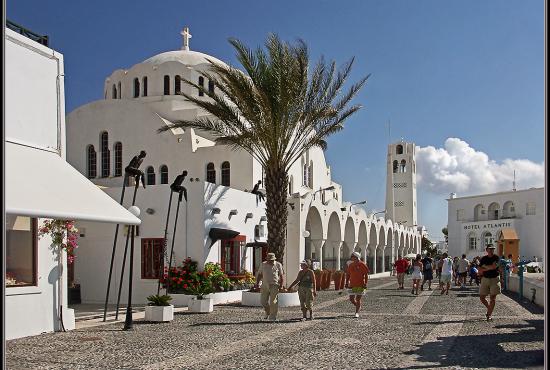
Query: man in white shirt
x=271, y=274
x=446, y=273
x=463, y=265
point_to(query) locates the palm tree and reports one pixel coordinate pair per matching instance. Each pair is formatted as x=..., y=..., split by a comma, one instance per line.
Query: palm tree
x=275, y=112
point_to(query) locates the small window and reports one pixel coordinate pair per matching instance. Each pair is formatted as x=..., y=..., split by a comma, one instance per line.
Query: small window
x=399, y=149
x=305, y=176
x=472, y=241
x=201, y=84
x=226, y=174
x=21, y=251
x=291, y=185
x=114, y=91
x=118, y=159
x=310, y=175
x=92, y=162
x=120, y=90
x=151, y=178
x=210, y=86
x=145, y=86
x=395, y=166
x=531, y=208
x=177, y=85
x=403, y=168
x=151, y=258
x=136, y=87
x=164, y=174
x=166, y=85
x=459, y=214
x=210, y=173
x=105, y=155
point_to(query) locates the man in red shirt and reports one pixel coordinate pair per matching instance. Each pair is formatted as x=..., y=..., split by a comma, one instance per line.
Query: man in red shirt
x=357, y=277
x=401, y=266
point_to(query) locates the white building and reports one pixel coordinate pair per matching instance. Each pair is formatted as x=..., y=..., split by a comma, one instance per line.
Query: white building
x=40, y=184
x=475, y=221
x=139, y=100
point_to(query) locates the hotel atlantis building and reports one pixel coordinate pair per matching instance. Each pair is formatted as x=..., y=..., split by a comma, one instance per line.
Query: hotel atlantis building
x=513, y=216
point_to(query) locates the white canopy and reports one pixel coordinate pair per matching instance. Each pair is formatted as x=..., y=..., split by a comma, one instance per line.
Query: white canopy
x=39, y=183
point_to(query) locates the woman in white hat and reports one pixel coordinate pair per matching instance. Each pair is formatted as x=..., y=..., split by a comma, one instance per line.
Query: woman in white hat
x=306, y=289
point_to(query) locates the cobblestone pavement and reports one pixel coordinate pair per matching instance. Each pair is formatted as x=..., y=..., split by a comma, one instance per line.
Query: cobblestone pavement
x=397, y=330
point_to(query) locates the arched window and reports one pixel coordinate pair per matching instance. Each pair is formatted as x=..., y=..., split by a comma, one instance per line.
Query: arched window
x=201, y=84
x=177, y=84
x=136, y=87
x=164, y=174
x=166, y=85
x=403, y=168
x=92, y=162
x=151, y=178
x=118, y=159
x=494, y=209
x=508, y=209
x=210, y=173
x=105, y=155
x=114, y=91
x=487, y=239
x=478, y=212
x=472, y=241
x=211, y=86
x=226, y=174
x=120, y=90
x=305, y=176
x=399, y=149
x=395, y=166
x=144, y=86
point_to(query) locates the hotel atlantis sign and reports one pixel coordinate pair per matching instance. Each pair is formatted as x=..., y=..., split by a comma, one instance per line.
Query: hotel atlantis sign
x=490, y=225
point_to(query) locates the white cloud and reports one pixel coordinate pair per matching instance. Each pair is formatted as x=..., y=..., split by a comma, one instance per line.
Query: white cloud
x=461, y=169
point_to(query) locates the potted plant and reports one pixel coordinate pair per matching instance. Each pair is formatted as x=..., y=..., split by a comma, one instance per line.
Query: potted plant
x=317, y=279
x=338, y=279
x=199, y=303
x=159, y=308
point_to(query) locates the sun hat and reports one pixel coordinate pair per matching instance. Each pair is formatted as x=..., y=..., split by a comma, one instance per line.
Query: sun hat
x=490, y=246
x=304, y=262
x=270, y=257
x=356, y=254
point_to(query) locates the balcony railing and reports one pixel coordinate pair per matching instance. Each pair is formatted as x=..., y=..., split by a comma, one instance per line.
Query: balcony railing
x=27, y=33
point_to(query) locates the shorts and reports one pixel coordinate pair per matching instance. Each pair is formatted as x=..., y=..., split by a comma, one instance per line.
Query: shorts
x=489, y=286
x=357, y=291
x=445, y=279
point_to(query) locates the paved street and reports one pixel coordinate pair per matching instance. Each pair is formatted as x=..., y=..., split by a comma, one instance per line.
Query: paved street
x=397, y=330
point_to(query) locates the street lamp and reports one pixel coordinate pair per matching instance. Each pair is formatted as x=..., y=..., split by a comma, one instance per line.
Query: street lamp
x=317, y=191
x=128, y=323
x=353, y=204
x=376, y=213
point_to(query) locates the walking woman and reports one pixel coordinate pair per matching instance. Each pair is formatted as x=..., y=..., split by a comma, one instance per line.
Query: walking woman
x=306, y=289
x=417, y=274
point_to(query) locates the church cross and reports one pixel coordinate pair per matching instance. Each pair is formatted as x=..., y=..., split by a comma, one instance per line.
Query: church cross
x=186, y=36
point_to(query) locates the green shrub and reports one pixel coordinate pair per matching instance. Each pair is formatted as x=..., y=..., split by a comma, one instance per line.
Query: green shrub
x=159, y=300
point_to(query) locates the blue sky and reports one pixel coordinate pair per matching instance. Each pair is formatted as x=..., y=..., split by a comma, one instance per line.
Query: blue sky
x=472, y=71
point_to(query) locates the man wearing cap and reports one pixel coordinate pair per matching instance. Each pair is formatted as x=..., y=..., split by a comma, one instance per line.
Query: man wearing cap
x=271, y=274
x=306, y=289
x=357, y=276
x=490, y=280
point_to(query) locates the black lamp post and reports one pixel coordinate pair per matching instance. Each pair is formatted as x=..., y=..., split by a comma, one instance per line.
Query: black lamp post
x=128, y=323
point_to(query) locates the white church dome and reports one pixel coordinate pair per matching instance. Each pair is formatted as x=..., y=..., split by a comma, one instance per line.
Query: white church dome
x=187, y=57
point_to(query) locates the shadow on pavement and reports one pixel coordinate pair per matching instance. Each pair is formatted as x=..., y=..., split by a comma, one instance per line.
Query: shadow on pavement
x=525, y=303
x=498, y=349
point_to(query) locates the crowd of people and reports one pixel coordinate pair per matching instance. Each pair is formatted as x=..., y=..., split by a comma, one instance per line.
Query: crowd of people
x=486, y=272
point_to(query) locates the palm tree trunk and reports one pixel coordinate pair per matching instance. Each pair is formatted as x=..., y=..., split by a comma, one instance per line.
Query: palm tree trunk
x=276, y=182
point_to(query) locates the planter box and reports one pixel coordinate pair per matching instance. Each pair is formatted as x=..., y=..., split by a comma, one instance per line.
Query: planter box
x=183, y=300
x=285, y=299
x=201, y=305
x=159, y=313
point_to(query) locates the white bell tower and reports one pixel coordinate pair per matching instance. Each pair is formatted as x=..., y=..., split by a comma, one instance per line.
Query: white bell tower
x=401, y=184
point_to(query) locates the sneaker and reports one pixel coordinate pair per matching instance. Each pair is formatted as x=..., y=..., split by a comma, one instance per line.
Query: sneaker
x=429, y=288
x=273, y=319
x=489, y=318
x=357, y=315
x=303, y=319
x=266, y=317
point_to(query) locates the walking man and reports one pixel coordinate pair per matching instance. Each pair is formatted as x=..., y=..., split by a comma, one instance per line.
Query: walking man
x=401, y=266
x=463, y=265
x=490, y=281
x=271, y=274
x=446, y=274
x=357, y=277
x=427, y=273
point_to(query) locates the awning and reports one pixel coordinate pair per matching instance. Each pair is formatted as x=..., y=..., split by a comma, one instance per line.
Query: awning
x=40, y=183
x=508, y=234
x=217, y=233
x=256, y=245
